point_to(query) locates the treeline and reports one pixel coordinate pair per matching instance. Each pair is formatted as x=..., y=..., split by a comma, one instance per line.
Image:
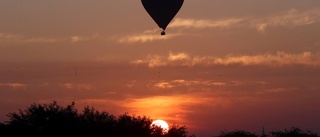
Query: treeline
x=293, y=132
x=51, y=120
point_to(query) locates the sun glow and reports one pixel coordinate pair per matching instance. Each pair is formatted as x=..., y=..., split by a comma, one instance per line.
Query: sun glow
x=162, y=124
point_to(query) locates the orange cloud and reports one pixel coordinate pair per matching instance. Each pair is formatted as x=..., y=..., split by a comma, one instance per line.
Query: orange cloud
x=288, y=18
x=14, y=86
x=181, y=82
x=76, y=38
x=147, y=36
x=178, y=56
x=77, y=86
x=163, y=85
x=272, y=60
x=17, y=38
x=206, y=23
x=291, y=18
x=141, y=38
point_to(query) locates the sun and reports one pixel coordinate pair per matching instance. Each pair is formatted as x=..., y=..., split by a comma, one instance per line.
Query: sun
x=162, y=124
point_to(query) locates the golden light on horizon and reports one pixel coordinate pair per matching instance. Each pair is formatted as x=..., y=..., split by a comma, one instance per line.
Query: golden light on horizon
x=174, y=109
x=159, y=107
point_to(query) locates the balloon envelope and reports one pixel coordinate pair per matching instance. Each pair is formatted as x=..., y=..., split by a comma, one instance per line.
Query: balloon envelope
x=162, y=11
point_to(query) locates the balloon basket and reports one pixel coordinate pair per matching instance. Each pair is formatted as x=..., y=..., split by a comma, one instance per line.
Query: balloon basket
x=163, y=33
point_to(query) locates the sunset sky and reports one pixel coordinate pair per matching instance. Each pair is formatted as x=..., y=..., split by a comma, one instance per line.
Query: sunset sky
x=223, y=65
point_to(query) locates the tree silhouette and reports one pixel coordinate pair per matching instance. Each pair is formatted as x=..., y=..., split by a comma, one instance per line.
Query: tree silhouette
x=175, y=131
x=293, y=132
x=157, y=131
x=133, y=125
x=43, y=120
x=51, y=120
x=237, y=133
x=95, y=123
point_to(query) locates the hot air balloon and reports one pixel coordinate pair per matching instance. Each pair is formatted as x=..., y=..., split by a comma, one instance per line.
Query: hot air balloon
x=162, y=11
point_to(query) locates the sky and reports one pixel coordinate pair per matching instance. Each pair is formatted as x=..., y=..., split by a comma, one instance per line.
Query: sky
x=222, y=65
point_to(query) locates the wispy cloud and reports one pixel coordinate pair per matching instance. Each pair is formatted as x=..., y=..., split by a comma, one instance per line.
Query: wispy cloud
x=206, y=23
x=291, y=18
x=19, y=38
x=150, y=36
x=141, y=38
x=182, y=82
x=277, y=59
x=77, y=38
x=147, y=36
x=278, y=90
x=77, y=86
x=14, y=86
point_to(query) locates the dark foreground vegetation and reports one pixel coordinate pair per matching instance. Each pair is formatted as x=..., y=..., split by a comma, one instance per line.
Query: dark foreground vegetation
x=51, y=120
x=293, y=132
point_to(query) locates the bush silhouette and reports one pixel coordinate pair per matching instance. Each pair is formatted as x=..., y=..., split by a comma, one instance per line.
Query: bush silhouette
x=293, y=132
x=49, y=120
x=237, y=133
